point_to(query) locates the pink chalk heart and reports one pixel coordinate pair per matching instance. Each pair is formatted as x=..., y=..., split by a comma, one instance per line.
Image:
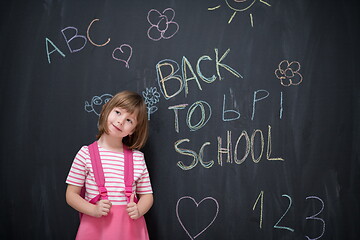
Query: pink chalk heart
x=125, y=55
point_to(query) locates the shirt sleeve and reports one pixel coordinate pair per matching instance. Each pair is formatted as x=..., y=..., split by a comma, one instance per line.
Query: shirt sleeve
x=79, y=170
x=143, y=183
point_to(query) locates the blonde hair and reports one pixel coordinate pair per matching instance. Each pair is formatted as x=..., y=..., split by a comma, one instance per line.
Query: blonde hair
x=132, y=103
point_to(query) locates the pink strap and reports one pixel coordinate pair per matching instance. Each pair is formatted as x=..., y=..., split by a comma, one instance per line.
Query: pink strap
x=98, y=172
x=128, y=172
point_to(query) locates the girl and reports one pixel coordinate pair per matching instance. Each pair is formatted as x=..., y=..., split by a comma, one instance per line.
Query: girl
x=123, y=120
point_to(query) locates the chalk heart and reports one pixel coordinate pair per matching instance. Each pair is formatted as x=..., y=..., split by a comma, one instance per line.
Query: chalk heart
x=197, y=204
x=125, y=55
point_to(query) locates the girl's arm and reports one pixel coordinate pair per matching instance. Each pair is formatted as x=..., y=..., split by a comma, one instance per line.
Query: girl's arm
x=74, y=199
x=143, y=206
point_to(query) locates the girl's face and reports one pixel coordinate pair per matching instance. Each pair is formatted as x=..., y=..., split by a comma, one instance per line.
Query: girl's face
x=121, y=123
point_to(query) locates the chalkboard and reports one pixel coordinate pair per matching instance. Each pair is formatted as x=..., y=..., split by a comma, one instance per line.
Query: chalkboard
x=253, y=109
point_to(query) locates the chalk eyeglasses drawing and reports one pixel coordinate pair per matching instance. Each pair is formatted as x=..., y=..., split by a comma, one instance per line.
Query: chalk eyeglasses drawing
x=96, y=103
x=240, y=6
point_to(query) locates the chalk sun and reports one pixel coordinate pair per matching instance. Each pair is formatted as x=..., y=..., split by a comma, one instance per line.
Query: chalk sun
x=240, y=6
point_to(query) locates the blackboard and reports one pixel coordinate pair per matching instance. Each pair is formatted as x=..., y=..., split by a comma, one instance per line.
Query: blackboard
x=253, y=110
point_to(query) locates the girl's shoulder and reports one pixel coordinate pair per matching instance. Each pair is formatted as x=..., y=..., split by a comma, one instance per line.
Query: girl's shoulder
x=84, y=151
x=137, y=153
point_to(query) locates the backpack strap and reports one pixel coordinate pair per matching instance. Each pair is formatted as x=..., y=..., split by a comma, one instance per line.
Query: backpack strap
x=128, y=172
x=98, y=172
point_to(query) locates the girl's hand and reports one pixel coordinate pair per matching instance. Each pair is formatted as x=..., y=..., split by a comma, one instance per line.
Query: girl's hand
x=132, y=208
x=102, y=208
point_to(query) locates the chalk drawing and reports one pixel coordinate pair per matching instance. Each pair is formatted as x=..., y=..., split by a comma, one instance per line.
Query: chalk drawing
x=96, y=103
x=197, y=205
x=127, y=55
x=151, y=96
x=162, y=24
x=288, y=73
x=240, y=6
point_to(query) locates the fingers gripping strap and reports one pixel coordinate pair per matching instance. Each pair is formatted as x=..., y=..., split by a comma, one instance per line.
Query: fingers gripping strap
x=98, y=172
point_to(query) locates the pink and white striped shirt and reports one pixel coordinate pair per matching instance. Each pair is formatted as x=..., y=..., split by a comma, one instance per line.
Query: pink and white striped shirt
x=113, y=166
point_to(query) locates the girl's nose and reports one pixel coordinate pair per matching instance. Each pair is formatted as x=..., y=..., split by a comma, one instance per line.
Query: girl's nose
x=120, y=120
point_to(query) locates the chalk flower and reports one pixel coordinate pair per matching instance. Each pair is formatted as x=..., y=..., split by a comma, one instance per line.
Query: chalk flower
x=162, y=24
x=288, y=73
x=151, y=96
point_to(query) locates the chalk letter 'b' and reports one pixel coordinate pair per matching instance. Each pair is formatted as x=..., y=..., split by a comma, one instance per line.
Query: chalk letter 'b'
x=163, y=79
x=75, y=37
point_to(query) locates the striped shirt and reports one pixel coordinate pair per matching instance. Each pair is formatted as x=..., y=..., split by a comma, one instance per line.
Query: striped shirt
x=113, y=166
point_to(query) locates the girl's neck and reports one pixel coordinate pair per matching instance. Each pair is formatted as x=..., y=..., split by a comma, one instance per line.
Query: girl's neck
x=110, y=143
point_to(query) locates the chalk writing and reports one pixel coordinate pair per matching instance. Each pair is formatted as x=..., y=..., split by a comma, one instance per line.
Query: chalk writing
x=176, y=108
x=261, y=197
x=88, y=35
x=202, y=105
x=227, y=115
x=197, y=204
x=250, y=143
x=56, y=49
x=313, y=217
x=162, y=24
x=127, y=55
x=167, y=73
x=240, y=6
x=96, y=103
x=282, y=227
x=258, y=96
x=288, y=73
x=76, y=37
x=236, y=113
x=151, y=97
x=77, y=42
x=205, y=114
x=196, y=157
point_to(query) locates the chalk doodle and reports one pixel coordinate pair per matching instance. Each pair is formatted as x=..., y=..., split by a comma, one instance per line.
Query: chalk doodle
x=288, y=73
x=151, y=96
x=96, y=103
x=240, y=6
x=127, y=55
x=193, y=236
x=162, y=24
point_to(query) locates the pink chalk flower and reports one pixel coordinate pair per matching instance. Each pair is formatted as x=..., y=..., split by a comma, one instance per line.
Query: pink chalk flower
x=162, y=24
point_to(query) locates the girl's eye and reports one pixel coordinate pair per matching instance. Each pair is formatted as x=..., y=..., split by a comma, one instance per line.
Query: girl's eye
x=117, y=112
x=129, y=120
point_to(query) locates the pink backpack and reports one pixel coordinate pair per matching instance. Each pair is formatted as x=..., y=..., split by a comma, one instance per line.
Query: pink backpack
x=99, y=174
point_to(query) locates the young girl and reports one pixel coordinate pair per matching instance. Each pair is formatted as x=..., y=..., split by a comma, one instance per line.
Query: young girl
x=123, y=120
